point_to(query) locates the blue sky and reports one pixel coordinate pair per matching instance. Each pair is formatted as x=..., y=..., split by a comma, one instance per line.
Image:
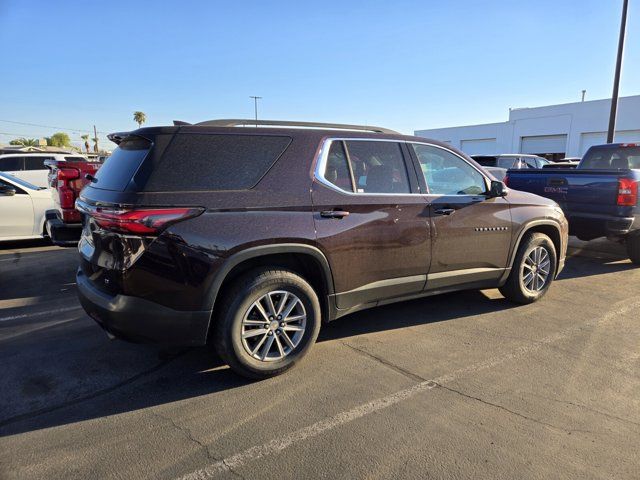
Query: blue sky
x=402, y=64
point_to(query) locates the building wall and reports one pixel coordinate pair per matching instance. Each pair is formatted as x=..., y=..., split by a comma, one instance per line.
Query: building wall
x=583, y=123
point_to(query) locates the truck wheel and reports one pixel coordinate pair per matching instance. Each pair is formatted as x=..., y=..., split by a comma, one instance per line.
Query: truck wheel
x=533, y=269
x=269, y=320
x=633, y=249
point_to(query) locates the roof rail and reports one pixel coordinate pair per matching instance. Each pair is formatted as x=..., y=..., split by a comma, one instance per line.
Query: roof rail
x=232, y=122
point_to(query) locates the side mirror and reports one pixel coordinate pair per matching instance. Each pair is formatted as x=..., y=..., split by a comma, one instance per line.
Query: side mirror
x=498, y=189
x=7, y=190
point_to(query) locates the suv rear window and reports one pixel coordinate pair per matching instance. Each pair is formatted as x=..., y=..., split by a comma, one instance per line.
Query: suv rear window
x=198, y=162
x=123, y=163
x=603, y=158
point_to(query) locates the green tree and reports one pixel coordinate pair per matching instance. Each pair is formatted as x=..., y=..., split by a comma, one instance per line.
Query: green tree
x=139, y=118
x=59, y=139
x=27, y=142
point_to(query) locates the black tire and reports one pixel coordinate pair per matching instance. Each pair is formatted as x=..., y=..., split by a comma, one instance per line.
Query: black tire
x=633, y=249
x=514, y=289
x=238, y=300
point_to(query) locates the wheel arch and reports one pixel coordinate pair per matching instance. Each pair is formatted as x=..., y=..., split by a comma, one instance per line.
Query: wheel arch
x=549, y=228
x=305, y=260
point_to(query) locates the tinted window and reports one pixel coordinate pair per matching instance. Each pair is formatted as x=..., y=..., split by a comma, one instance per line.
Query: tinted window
x=11, y=164
x=612, y=158
x=378, y=167
x=35, y=163
x=448, y=174
x=123, y=163
x=75, y=159
x=485, y=161
x=215, y=162
x=18, y=190
x=507, y=162
x=337, y=169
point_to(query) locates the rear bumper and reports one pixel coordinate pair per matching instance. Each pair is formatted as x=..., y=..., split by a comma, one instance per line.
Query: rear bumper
x=139, y=320
x=593, y=225
x=61, y=233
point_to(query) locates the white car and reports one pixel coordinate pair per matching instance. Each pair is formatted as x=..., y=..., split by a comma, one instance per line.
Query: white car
x=22, y=208
x=30, y=166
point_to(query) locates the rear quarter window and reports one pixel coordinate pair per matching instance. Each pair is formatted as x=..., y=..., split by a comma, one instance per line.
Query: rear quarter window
x=200, y=162
x=118, y=170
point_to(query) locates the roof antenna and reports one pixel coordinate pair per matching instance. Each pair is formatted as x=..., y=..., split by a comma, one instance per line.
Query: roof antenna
x=583, y=94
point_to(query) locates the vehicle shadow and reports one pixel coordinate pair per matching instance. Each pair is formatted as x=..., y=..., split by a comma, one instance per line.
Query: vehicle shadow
x=79, y=375
x=77, y=381
x=590, y=265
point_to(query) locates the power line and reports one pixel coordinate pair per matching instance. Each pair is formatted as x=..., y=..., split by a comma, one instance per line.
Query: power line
x=50, y=126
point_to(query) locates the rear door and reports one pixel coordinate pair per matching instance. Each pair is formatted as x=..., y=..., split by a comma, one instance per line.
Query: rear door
x=371, y=221
x=35, y=171
x=12, y=165
x=471, y=233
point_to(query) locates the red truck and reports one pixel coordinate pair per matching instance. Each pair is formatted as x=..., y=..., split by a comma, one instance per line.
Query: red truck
x=66, y=180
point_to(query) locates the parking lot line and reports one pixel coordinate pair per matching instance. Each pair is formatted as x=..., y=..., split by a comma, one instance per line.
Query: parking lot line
x=39, y=314
x=278, y=444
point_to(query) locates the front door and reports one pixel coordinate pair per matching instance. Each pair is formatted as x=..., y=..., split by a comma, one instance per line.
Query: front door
x=471, y=232
x=371, y=221
x=16, y=213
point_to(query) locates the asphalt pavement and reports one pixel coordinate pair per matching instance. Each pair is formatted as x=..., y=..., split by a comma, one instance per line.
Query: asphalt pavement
x=463, y=385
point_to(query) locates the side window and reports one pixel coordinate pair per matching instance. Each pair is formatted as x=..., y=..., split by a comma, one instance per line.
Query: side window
x=34, y=163
x=337, y=169
x=18, y=190
x=11, y=164
x=448, y=174
x=378, y=167
x=508, y=162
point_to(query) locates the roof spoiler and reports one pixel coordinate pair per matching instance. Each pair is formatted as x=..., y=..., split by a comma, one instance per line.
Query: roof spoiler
x=117, y=137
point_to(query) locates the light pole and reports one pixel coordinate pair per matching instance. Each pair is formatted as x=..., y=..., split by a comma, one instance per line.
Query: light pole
x=255, y=106
x=616, y=77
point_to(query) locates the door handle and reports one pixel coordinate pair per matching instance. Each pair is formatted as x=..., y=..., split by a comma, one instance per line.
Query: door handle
x=334, y=214
x=444, y=211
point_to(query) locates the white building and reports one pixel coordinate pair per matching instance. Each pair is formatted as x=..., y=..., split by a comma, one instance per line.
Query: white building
x=554, y=131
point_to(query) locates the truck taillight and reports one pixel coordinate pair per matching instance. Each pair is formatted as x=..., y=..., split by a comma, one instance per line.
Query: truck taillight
x=68, y=173
x=505, y=180
x=140, y=221
x=627, y=192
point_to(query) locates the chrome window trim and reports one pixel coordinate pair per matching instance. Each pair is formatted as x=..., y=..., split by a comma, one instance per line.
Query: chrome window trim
x=321, y=165
x=323, y=155
x=487, y=182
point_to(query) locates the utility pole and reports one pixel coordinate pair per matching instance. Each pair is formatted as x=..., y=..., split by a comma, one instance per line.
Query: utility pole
x=616, y=77
x=255, y=106
x=95, y=140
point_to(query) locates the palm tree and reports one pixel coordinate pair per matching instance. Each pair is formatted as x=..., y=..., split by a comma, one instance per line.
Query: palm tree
x=139, y=118
x=26, y=142
x=86, y=141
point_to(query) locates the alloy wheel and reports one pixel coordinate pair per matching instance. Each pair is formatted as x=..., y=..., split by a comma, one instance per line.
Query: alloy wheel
x=535, y=269
x=273, y=326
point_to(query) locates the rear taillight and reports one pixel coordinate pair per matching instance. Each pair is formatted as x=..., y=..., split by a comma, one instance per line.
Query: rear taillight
x=505, y=180
x=627, y=192
x=141, y=221
x=68, y=173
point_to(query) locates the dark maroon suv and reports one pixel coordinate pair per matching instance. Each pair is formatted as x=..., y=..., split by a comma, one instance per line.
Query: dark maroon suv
x=250, y=238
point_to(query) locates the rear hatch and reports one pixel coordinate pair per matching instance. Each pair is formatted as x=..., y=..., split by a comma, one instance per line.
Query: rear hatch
x=158, y=177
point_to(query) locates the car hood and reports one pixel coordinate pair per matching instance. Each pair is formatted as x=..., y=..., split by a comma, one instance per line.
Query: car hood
x=517, y=197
